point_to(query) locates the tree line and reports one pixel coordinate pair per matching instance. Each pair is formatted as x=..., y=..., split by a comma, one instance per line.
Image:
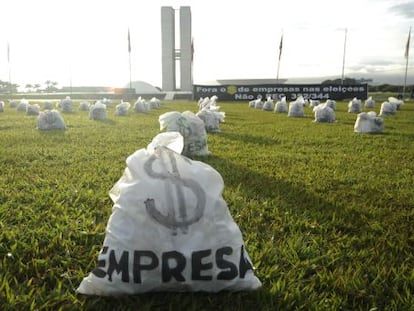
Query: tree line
x=48, y=86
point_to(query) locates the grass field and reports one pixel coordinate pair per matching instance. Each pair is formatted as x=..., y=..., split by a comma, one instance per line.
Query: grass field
x=326, y=214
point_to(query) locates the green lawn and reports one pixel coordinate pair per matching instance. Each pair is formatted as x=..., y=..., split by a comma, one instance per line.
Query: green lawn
x=327, y=215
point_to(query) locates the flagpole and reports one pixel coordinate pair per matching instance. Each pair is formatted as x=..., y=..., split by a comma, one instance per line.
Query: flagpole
x=343, y=59
x=407, y=49
x=130, y=80
x=280, y=54
x=129, y=54
x=8, y=61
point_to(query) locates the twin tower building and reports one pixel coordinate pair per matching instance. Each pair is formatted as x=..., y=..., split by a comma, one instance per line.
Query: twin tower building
x=173, y=53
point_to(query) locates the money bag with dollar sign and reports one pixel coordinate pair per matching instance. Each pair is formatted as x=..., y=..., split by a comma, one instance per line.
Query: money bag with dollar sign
x=170, y=229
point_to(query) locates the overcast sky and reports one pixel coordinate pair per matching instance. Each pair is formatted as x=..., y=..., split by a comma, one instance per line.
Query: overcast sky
x=85, y=42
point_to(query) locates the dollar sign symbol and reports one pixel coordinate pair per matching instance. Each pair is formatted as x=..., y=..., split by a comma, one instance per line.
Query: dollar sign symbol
x=183, y=127
x=171, y=220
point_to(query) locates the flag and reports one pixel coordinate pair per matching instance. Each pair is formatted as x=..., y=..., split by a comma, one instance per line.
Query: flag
x=280, y=46
x=129, y=42
x=407, y=46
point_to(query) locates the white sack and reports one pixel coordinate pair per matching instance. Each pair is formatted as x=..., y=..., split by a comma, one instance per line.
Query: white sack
x=258, y=103
x=22, y=106
x=268, y=105
x=140, y=105
x=370, y=103
x=170, y=229
x=354, y=106
x=97, y=111
x=191, y=127
x=122, y=109
x=50, y=120
x=211, y=119
x=84, y=106
x=47, y=105
x=155, y=103
x=281, y=106
x=32, y=110
x=313, y=103
x=66, y=105
x=296, y=109
x=107, y=102
x=398, y=102
x=368, y=122
x=388, y=109
x=324, y=113
x=331, y=103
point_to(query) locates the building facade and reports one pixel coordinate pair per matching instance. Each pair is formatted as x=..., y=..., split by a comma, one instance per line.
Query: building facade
x=171, y=54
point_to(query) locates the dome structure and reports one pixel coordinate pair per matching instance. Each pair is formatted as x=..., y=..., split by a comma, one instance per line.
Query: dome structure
x=142, y=87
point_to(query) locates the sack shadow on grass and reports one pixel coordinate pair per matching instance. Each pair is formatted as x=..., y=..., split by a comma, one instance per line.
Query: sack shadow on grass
x=257, y=140
x=53, y=132
x=289, y=197
x=242, y=300
x=106, y=121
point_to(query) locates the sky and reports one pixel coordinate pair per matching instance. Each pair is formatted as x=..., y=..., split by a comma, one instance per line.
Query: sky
x=84, y=42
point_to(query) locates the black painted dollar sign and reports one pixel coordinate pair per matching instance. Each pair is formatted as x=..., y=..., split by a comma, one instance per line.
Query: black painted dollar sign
x=173, y=178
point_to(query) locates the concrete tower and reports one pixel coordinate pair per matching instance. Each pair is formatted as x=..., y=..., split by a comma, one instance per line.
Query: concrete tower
x=170, y=54
x=168, y=48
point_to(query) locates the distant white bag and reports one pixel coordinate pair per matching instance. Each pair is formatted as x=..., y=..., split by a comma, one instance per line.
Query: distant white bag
x=354, y=106
x=48, y=105
x=324, y=113
x=155, y=103
x=50, y=120
x=191, y=127
x=296, y=109
x=258, y=104
x=313, y=103
x=398, y=102
x=368, y=122
x=281, y=106
x=268, y=105
x=122, y=109
x=22, y=106
x=32, y=110
x=107, y=102
x=84, y=106
x=211, y=119
x=97, y=111
x=388, y=109
x=170, y=229
x=66, y=105
x=370, y=103
x=140, y=105
x=331, y=103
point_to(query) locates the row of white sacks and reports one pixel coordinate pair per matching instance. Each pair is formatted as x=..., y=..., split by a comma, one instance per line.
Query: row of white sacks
x=324, y=112
x=366, y=122
x=193, y=127
x=97, y=110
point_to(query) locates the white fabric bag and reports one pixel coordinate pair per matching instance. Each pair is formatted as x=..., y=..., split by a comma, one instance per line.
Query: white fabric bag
x=368, y=122
x=191, y=127
x=50, y=120
x=97, y=111
x=170, y=229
